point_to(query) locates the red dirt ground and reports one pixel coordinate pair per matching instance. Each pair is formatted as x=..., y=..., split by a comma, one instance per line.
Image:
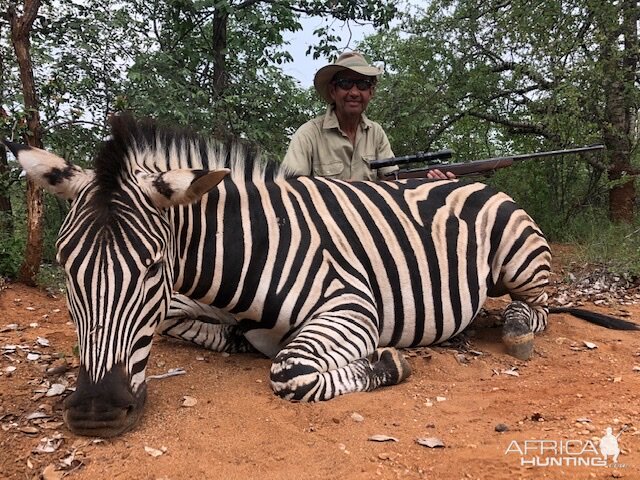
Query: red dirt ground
x=239, y=430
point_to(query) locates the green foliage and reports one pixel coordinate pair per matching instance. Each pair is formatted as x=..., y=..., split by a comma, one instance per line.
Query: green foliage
x=51, y=277
x=11, y=252
x=613, y=246
x=494, y=78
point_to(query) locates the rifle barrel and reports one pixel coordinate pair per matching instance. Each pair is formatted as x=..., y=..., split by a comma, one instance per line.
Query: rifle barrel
x=481, y=167
x=526, y=156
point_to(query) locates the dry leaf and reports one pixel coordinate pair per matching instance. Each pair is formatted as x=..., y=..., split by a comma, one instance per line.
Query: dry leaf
x=29, y=430
x=36, y=415
x=431, y=442
x=382, y=438
x=55, y=389
x=49, y=445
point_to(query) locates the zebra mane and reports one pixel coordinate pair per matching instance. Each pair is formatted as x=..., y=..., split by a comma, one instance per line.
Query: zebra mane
x=147, y=145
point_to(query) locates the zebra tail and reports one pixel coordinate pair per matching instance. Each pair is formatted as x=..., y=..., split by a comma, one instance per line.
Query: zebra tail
x=606, y=321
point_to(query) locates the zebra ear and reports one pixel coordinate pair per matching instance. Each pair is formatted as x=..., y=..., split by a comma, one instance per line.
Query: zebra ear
x=181, y=186
x=51, y=172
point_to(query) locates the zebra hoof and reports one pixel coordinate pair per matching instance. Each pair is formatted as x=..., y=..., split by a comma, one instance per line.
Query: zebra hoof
x=518, y=339
x=391, y=365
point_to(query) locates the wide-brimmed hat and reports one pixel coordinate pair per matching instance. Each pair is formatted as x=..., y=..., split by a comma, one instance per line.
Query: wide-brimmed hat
x=346, y=61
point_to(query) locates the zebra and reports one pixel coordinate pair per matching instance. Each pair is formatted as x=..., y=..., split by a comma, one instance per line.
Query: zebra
x=175, y=233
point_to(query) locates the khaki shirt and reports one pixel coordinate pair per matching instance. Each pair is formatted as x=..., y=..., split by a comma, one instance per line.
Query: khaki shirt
x=319, y=148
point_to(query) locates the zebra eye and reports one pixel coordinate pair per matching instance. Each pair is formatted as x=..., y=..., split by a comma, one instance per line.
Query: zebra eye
x=153, y=270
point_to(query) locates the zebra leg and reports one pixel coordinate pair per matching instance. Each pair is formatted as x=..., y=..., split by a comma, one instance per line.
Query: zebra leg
x=219, y=338
x=521, y=320
x=182, y=307
x=199, y=323
x=525, y=275
x=333, y=355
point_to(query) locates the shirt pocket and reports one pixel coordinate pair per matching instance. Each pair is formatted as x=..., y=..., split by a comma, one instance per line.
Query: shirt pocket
x=330, y=170
x=367, y=158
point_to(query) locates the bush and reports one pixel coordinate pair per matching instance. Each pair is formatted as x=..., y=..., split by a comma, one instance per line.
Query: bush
x=614, y=246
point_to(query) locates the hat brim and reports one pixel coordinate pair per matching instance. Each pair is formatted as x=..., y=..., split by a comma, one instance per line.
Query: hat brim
x=324, y=76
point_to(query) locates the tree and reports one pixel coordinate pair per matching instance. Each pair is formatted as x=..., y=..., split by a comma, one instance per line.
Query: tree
x=489, y=79
x=20, y=32
x=214, y=64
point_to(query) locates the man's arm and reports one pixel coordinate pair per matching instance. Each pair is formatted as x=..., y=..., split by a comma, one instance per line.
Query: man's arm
x=383, y=150
x=299, y=154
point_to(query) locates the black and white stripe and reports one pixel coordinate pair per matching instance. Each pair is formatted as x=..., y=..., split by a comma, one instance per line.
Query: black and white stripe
x=324, y=276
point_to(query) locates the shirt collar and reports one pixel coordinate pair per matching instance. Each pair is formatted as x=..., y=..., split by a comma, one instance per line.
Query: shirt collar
x=331, y=120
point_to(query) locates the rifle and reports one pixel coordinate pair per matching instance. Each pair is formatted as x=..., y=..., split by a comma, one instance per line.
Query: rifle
x=476, y=167
x=434, y=158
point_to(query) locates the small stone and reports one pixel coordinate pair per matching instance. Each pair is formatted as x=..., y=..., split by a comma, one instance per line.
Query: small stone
x=440, y=399
x=502, y=427
x=188, y=401
x=154, y=452
x=50, y=473
x=356, y=417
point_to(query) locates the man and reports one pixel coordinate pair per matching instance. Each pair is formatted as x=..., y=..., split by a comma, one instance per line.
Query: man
x=342, y=142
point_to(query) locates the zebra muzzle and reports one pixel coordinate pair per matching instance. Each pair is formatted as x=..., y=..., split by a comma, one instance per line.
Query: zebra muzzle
x=105, y=408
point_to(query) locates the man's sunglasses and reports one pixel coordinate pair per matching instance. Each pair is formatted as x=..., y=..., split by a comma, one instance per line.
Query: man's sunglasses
x=348, y=83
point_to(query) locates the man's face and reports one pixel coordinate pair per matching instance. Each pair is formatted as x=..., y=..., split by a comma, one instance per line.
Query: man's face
x=351, y=92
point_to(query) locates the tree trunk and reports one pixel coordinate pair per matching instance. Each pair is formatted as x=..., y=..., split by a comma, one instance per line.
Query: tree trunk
x=220, y=20
x=620, y=68
x=20, y=32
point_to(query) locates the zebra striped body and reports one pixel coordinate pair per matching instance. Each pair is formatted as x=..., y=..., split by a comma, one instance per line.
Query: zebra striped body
x=417, y=258
x=324, y=276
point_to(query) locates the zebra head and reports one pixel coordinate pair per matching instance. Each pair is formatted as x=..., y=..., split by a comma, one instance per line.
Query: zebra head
x=116, y=247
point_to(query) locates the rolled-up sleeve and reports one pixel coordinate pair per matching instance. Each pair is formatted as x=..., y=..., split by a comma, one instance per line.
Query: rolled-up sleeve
x=384, y=151
x=299, y=156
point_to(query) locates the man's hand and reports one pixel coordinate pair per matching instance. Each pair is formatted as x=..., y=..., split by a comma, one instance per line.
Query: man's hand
x=438, y=175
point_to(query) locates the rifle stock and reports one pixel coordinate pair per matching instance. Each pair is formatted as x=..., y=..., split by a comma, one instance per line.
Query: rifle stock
x=482, y=167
